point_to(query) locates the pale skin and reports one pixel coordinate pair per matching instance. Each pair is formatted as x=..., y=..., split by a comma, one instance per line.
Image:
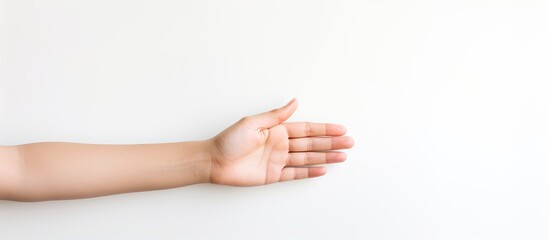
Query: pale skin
x=257, y=150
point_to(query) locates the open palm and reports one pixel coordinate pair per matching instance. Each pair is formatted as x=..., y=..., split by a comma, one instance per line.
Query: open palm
x=262, y=149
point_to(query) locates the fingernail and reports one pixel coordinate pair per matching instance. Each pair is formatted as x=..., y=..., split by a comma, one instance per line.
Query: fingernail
x=290, y=102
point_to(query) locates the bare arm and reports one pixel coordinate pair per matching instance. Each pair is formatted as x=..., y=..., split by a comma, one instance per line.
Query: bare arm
x=70, y=170
x=256, y=150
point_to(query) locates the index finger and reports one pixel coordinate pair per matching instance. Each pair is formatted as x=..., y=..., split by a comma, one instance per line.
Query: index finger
x=309, y=129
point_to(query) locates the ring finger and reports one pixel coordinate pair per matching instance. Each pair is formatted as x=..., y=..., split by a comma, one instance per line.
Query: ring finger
x=320, y=144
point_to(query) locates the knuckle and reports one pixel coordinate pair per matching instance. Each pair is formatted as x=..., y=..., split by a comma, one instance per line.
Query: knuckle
x=245, y=119
x=308, y=129
x=310, y=145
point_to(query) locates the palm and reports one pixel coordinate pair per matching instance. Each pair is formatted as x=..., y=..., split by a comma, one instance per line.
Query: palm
x=261, y=149
x=248, y=157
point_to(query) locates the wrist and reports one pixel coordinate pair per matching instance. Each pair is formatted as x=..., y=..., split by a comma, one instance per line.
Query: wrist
x=205, y=166
x=193, y=163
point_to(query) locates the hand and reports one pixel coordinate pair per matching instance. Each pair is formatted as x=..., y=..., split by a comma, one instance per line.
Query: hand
x=262, y=149
x=257, y=150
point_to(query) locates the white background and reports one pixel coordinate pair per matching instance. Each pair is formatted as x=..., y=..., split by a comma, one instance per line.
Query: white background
x=448, y=102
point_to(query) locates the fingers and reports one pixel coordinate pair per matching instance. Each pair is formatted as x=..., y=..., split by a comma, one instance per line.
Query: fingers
x=274, y=117
x=313, y=158
x=306, y=140
x=308, y=129
x=312, y=144
x=293, y=173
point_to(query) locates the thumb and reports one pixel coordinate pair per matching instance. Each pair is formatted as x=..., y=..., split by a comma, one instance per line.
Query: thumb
x=274, y=117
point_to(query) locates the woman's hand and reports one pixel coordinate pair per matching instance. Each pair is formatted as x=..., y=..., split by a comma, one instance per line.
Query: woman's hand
x=262, y=149
x=257, y=150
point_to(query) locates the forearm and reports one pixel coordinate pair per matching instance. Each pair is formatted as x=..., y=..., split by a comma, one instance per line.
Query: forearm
x=257, y=150
x=70, y=170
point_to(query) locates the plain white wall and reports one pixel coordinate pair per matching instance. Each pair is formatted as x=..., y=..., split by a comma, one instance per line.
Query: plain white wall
x=448, y=102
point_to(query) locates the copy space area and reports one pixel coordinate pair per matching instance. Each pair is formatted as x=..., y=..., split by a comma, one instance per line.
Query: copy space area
x=448, y=103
